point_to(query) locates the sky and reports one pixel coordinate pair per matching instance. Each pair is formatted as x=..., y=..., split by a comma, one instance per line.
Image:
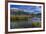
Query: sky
x=27, y=8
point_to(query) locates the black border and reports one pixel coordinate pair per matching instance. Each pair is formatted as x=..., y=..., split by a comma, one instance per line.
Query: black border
x=6, y=16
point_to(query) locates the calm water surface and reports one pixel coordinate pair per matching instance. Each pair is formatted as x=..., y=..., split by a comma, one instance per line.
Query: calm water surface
x=24, y=24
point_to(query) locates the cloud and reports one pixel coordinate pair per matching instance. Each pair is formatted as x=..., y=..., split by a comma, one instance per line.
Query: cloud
x=30, y=9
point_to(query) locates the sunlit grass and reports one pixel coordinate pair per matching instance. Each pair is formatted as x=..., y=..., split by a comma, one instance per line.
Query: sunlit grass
x=16, y=18
x=36, y=24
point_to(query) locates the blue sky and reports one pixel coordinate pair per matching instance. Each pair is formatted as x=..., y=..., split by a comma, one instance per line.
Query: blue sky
x=30, y=9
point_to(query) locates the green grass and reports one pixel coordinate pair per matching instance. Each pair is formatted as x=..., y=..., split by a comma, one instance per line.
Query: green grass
x=16, y=18
x=36, y=24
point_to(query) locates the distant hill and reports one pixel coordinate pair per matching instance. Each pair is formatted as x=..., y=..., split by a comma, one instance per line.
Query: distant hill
x=17, y=12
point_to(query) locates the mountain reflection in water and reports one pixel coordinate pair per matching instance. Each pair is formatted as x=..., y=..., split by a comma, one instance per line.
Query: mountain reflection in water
x=24, y=24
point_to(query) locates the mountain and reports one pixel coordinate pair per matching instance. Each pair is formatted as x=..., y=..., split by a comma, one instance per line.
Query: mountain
x=16, y=11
